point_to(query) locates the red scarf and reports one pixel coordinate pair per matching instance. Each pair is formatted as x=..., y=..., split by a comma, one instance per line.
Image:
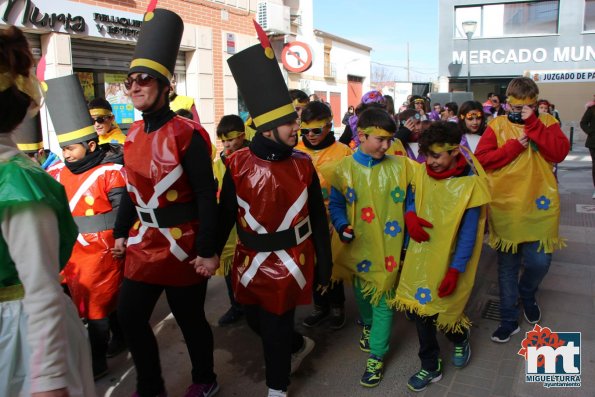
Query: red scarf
x=455, y=171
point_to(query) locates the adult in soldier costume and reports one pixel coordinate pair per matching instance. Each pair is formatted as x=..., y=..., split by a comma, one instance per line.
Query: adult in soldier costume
x=167, y=220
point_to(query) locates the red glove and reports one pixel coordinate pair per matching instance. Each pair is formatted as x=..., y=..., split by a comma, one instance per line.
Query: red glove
x=346, y=234
x=414, y=226
x=449, y=283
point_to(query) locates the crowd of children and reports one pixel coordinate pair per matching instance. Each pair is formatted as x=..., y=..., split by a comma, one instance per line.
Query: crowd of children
x=395, y=208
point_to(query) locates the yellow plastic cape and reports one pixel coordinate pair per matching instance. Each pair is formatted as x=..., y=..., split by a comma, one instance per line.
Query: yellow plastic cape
x=326, y=157
x=442, y=203
x=226, y=258
x=525, y=201
x=375, y=198
x=181, y=102
x=397, y=148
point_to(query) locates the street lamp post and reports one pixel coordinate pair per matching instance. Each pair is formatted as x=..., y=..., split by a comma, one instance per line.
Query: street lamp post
x=469, y=28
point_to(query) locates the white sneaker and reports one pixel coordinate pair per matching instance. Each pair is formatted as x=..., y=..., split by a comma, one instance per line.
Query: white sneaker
x=277, y=393
x=298, y=357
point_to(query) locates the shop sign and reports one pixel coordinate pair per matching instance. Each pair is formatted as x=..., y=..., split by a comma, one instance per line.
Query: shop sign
x=54, y=21
x=525, y=55
x=562, y=76
x=117, y=25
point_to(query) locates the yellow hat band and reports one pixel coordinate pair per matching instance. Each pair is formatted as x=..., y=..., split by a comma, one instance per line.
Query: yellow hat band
x=100, y=112
x=315, y=123
x=375, y=131
x=228, y=136
x=442, y=147
x=273, y=115
x=30, y=146
x=297, y=102
x=521, y=101
x=74, y=135
x=148, y=63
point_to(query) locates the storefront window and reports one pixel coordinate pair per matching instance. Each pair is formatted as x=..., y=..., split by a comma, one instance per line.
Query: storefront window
x=509, y=19
x=589, y=15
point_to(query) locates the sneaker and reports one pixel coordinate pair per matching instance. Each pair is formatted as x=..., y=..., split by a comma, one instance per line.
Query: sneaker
x=373, y=373
x=231, y=316
x=115, y=347
x=461, y=354
x=202, y=389
x=337, y=319
x=532, y=313
x=364, y=340
x=318, y=314
x=505, y=331
x=277, y=393
x=423, y=378
x=298, y=357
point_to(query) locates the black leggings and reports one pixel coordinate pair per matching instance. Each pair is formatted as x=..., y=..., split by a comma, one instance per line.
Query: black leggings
x=136, y=303
x=279, y=341
x=429, y=350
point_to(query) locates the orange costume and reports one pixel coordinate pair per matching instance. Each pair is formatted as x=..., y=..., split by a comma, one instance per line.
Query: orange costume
x=93, y=275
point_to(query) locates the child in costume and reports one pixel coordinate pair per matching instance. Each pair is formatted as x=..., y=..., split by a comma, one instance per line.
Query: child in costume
x=104, y=122
x=94, y=187
x=300, y=100
x=517, y=151
x=472, y=124
x=231, y=131
x=273, y=194
x=44, y=344
x=440, y=264
x=367, y=206
x=166, y=222
x=319, y=142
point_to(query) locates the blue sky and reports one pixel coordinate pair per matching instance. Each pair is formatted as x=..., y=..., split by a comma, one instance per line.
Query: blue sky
x=387, y=26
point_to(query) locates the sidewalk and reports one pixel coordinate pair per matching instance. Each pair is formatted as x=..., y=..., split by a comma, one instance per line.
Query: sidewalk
x=333, y=369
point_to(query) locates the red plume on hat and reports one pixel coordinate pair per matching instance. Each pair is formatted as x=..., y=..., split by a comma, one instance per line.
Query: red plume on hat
x=264, y=40
x=152, y=5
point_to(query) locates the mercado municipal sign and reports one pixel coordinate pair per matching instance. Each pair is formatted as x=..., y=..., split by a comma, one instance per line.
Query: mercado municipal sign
x=525, y=55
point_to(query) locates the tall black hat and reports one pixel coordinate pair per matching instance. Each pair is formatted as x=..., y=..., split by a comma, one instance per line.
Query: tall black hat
x=158, y=44
x=28, y=136
x=259, y=79
x=68, y=110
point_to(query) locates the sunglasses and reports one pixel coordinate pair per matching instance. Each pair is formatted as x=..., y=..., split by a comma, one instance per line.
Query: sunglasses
x=99, y=119
x=142, y=79
x=315, y=131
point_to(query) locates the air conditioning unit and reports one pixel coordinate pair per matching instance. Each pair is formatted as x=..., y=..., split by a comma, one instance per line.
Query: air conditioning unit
x=273, y=17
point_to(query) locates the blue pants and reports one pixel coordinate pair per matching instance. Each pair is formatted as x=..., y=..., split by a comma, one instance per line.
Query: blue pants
x=536, y=265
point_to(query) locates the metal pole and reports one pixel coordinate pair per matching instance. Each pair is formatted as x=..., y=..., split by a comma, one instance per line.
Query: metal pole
x=468, y=62
x=571, y=137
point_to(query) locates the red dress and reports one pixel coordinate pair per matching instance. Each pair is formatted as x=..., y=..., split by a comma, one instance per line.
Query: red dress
x=93, y=275
x=267, y=203
x=155, y=179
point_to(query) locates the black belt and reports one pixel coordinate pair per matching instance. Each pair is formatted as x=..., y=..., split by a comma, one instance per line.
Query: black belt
x=269, y=242
x=96, y=223
x=169, y=216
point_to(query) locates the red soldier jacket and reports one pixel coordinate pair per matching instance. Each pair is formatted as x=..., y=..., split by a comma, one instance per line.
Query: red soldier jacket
x=161, y=243
x=93, y=275
x=274, y=260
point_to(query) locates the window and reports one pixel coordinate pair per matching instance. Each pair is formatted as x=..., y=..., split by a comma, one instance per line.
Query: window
x=589, y=15
x=511, y=19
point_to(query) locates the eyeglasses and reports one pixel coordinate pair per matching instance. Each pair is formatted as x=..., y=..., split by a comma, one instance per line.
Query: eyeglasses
x=315, y=131
x=142, y=80
x=99, y=119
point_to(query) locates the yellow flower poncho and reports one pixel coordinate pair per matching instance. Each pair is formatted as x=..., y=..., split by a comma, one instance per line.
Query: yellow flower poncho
x=442, y=203
x=375, y=198
x=525, y=202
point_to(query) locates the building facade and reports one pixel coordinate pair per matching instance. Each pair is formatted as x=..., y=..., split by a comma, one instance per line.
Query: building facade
x=551, y=41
